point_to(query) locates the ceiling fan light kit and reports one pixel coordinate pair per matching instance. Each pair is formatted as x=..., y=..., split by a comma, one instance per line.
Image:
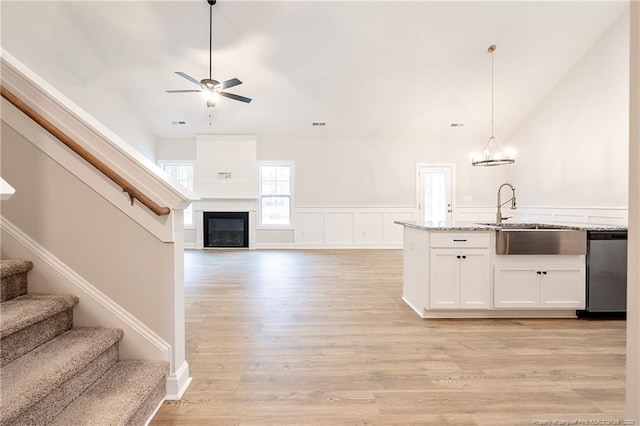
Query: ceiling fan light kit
x=211, y=89
x=493, y=153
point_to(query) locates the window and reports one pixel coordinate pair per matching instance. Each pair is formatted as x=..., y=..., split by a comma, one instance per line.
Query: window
x=275, y=194
x=183, y=174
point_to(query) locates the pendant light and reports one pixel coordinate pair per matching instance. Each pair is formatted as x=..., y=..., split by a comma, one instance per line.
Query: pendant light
x=493, y=153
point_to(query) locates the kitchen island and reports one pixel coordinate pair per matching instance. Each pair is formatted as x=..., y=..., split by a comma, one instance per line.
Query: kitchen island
x=455, y=271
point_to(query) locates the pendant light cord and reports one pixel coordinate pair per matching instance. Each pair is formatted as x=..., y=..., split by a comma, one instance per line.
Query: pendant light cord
x=492, y=93
x=211, y=40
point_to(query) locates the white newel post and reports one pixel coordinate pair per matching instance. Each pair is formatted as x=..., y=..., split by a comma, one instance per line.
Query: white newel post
x=179, y=378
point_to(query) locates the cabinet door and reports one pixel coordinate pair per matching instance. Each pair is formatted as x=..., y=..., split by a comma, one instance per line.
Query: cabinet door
x=444, y=288
x=563, y=287
x=516, y=287
x=475, y=279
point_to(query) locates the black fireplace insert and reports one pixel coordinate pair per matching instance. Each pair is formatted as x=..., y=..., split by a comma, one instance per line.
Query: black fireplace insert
x=226, y=229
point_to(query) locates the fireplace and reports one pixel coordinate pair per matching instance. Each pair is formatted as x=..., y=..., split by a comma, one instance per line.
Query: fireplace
x=226, y=229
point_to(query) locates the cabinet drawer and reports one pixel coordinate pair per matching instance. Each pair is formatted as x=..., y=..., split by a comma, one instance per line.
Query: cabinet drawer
x=460, y=239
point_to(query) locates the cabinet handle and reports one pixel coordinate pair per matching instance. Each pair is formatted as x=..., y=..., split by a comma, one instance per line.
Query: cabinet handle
x=459, y=241
x=539, y=272
x=458, y=257
x=464, y=257
x=544, y=272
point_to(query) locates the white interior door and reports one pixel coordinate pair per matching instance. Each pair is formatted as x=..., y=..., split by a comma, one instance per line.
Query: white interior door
x=435, y=193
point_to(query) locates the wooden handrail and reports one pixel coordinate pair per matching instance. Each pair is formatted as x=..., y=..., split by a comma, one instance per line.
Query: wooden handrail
x=133, y=192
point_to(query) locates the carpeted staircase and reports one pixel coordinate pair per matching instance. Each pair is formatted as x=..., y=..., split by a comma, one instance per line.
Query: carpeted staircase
x=54, y=374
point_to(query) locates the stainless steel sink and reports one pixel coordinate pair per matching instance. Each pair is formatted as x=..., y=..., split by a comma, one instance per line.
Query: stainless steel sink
x=541, y=241
x=534, y=238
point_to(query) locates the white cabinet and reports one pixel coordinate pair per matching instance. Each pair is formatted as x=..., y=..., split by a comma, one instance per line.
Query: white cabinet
x=529, y=284
x=460, y=279
x=460, y=271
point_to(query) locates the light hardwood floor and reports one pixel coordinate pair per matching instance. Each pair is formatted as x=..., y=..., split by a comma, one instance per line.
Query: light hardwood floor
x=322, y=338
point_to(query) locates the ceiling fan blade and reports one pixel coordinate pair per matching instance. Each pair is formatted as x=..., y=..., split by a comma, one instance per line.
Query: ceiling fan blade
x=235, y=97
x=188, y=77
x=183, y=91
x=229, y=83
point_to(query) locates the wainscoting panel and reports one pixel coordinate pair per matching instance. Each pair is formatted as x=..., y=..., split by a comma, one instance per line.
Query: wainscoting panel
x=369, y=228
x=394, y=233
x=338, y=228
x=541, y=217
x=374, y=227
x=350, y=227
x=309, y=228
x=577, y=215
x=571, y=218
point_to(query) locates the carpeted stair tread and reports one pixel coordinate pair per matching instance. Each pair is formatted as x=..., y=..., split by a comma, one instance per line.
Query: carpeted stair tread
x=13, y=278
x=117, y=396
x=14, y=266
x=24, y=311
x=28, y=379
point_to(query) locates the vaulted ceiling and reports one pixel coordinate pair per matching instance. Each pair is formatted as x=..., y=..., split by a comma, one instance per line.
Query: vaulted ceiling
x=362, y=67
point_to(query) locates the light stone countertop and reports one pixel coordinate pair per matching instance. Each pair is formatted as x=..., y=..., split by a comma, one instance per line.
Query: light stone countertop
x=470, y=226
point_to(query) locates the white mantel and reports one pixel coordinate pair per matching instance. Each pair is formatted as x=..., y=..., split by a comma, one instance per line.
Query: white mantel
x=249, y=205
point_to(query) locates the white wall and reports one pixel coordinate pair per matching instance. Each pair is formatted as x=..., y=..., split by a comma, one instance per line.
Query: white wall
x=81, y=79
x=379, y=170
x=176, y=149
x=633, y=280
x=573, y=147
x=572, y=151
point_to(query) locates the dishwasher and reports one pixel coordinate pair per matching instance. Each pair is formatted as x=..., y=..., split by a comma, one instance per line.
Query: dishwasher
x=606, y=275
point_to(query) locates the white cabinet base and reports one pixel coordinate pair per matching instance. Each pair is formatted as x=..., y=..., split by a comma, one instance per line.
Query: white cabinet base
x=458, y=275
x=539, y=282
x=496, y=313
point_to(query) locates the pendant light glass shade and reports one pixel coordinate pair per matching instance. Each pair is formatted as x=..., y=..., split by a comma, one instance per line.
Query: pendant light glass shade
x=493, y=153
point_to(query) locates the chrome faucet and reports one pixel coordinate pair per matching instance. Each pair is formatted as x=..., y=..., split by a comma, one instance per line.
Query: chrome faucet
x=499, y=217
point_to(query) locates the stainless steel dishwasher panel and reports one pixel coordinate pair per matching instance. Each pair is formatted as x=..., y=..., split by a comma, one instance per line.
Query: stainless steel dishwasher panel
x=607, y=272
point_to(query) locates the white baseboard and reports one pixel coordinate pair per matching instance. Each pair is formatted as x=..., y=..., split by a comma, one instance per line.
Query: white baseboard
x=153, y=414
x=499, y=313
x=178, y=382
x=51, y=275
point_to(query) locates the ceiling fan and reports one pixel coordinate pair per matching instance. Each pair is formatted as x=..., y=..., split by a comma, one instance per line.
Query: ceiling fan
x=211, y=89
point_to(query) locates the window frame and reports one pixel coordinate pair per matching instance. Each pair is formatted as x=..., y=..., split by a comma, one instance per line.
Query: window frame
x=291, y=166
x=193, y=167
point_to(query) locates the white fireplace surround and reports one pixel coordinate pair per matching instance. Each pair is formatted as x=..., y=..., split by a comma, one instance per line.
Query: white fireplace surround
x=248, y=205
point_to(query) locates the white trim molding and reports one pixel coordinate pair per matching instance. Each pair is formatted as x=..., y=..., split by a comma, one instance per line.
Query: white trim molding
x=563, y=214
x=178, y=382
x=350, y=227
